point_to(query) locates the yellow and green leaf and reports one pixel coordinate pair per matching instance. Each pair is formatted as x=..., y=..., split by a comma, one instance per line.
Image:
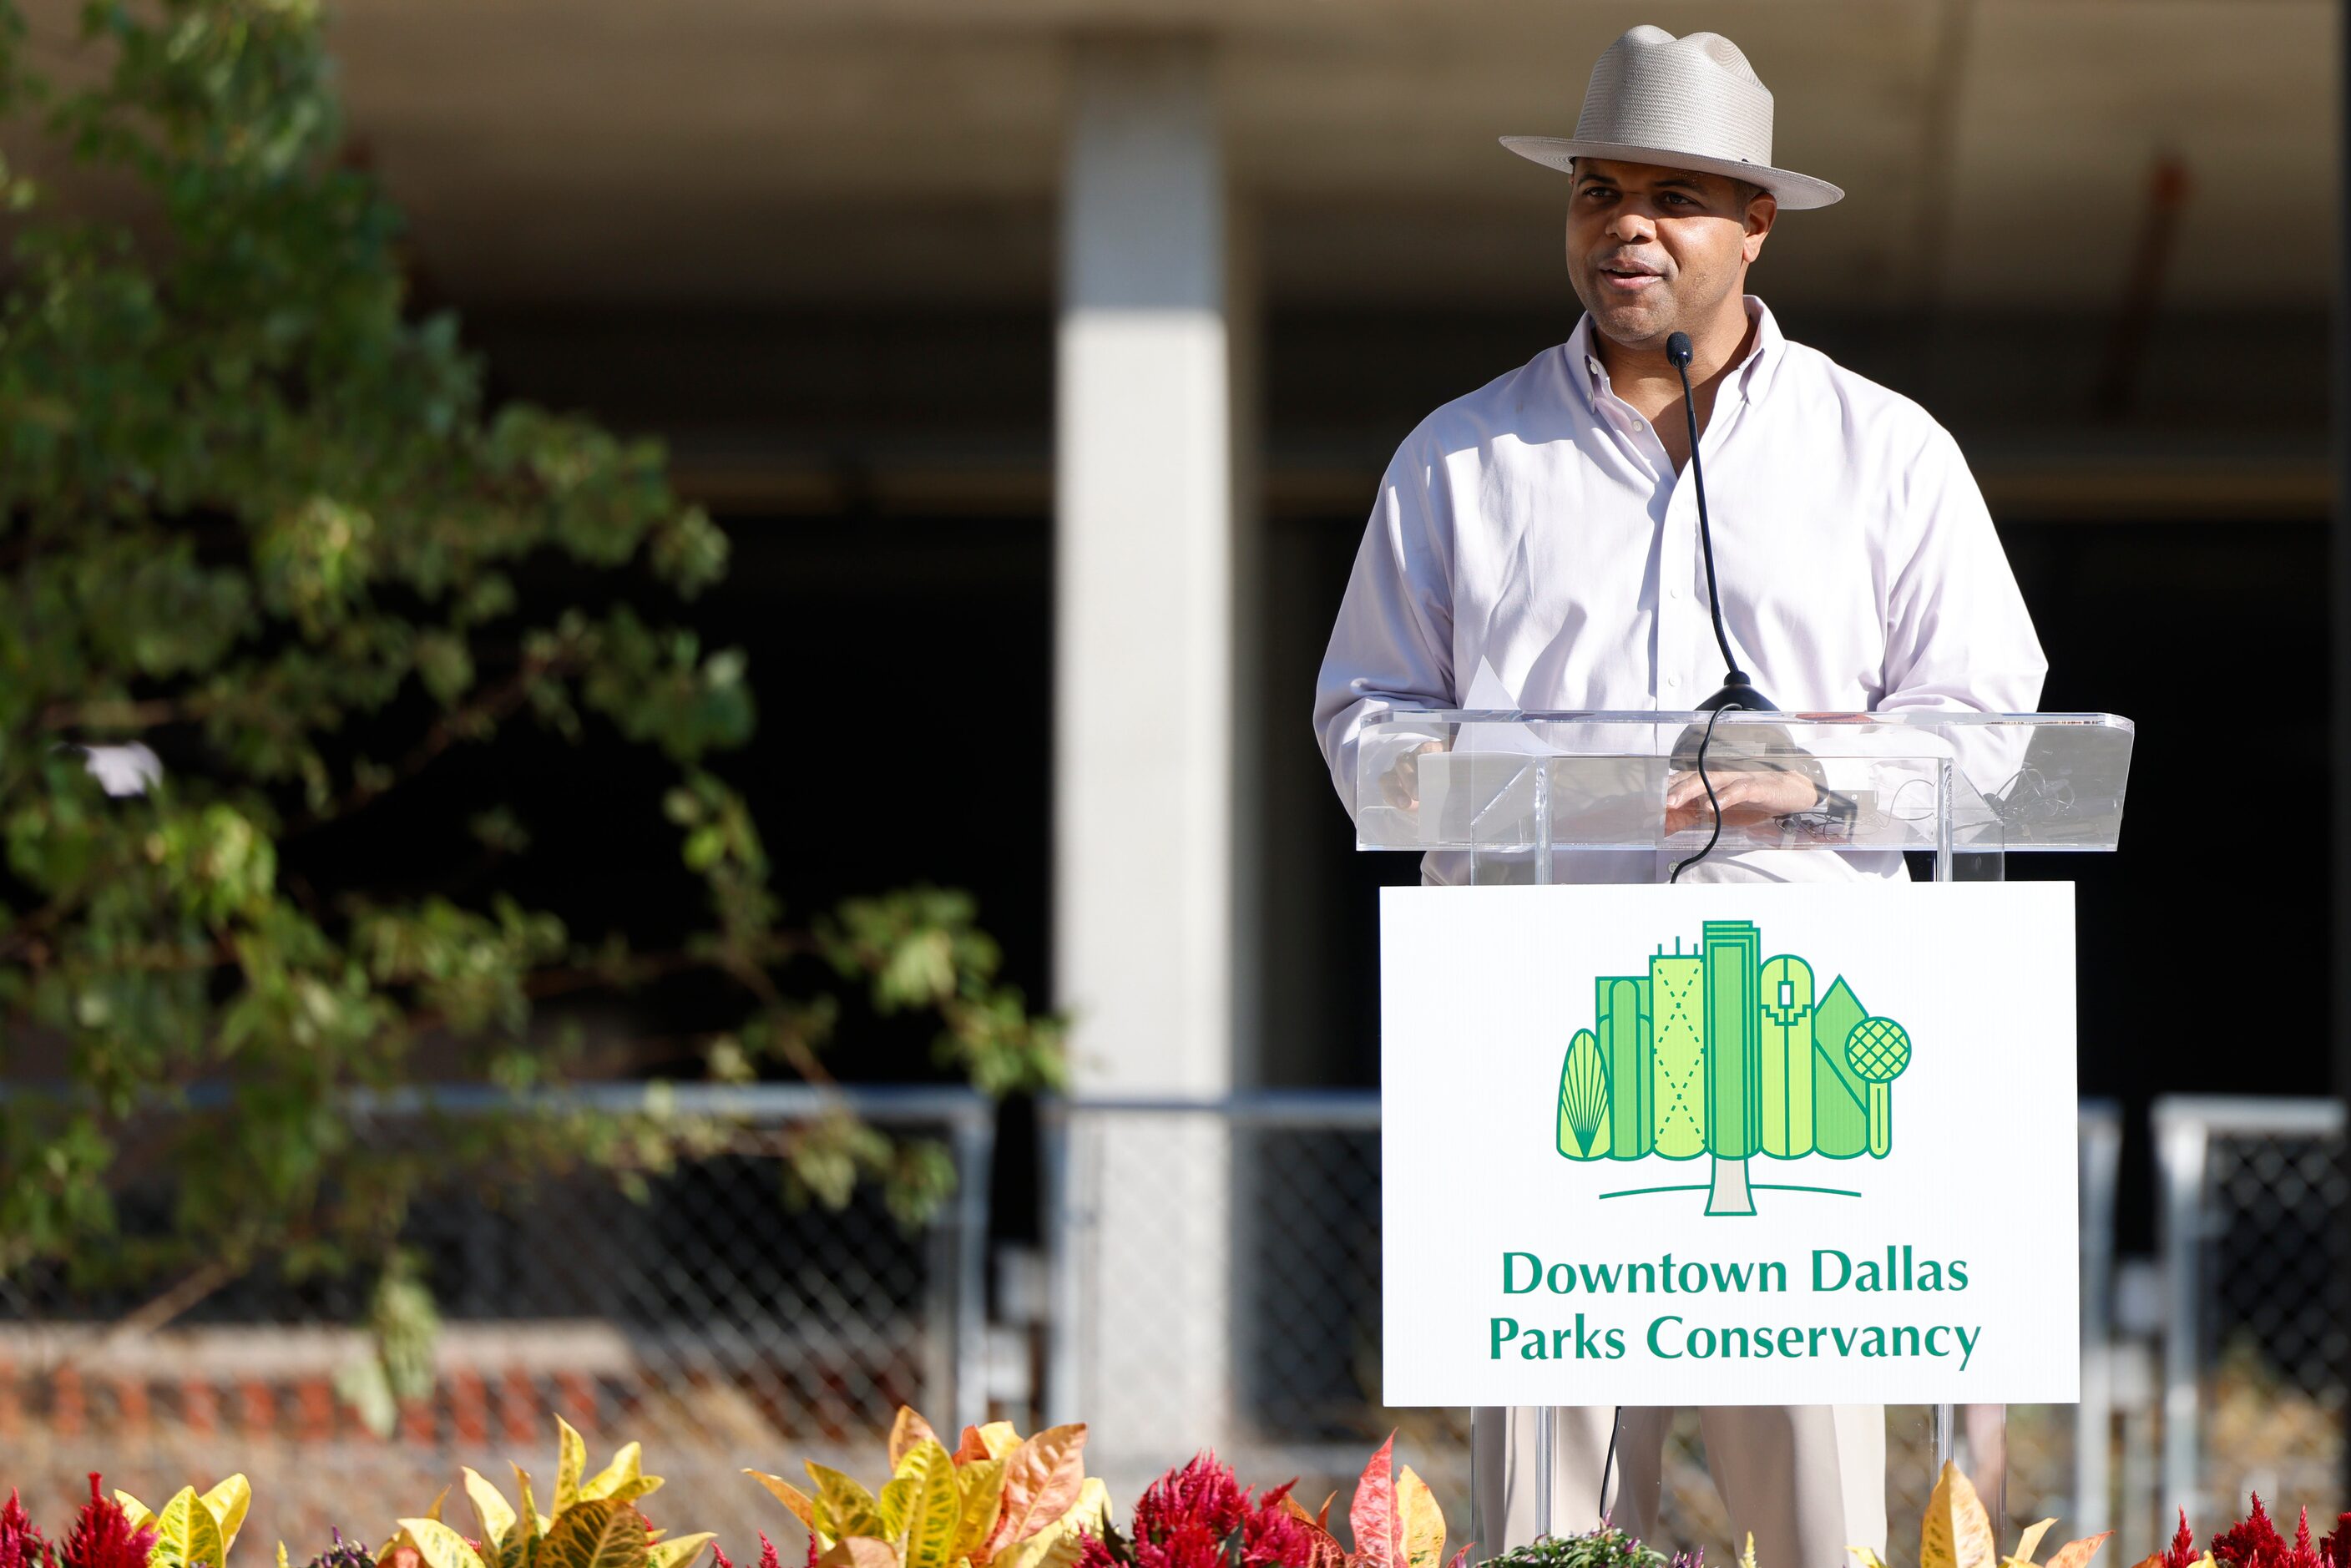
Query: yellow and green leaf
x=1956, y=1531
x=1055, y=1546
x=1422, y=1520
x=521, y=1549
x=803, y=1507
x=890, y=1505
x=843, y=1508
x=490, y=1507
x=1091, y=1512
x=186, y=1534
x=570, y=1464
x=979, y=1486
x=908, y=1431
x=934, y=1505
x=137, y=1512
x=2026, y=1544
x=678, y=1553
x=598, y=1533
x=440, y=1546
x=627, y=1465
x=228, y=1503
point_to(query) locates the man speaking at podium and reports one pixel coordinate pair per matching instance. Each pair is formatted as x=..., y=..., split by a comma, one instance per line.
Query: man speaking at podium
x=1536, y=545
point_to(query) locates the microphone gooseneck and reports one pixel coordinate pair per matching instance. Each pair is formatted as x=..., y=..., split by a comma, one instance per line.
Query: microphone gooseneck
x=1737, y=691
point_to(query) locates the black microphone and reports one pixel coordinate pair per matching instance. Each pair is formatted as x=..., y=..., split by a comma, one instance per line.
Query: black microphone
x=1737, y=691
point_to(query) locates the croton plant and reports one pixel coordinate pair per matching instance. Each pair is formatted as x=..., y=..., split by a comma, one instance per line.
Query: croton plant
x=998, y=1500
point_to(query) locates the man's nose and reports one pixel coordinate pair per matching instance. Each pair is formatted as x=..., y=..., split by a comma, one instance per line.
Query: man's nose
x=1631, y=225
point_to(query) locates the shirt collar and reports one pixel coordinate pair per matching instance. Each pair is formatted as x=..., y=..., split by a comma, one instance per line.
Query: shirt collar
x=1748, y=381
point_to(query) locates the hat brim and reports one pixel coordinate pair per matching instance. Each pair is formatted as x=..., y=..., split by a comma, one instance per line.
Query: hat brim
x=1792, y=189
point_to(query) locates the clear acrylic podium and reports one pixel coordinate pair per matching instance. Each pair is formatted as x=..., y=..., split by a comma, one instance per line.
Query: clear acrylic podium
x=1518, y=797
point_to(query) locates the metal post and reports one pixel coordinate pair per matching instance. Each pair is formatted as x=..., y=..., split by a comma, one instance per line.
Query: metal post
x=975, y=1158
x=2182, y=1144
x=1056, y=1124
x=1946, y=868
x=1945, y=860
x=1543, y=1415
x=2102, y=1138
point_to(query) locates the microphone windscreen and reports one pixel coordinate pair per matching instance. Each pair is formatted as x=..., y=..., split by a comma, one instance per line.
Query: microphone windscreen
x=1677, y=348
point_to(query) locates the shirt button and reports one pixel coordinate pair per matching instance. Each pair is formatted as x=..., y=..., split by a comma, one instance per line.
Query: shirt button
x=1673, y=593
x=1672, y=681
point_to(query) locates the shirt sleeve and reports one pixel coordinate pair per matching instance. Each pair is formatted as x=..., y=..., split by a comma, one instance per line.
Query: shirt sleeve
x=1958, y=634
x=1392, y=646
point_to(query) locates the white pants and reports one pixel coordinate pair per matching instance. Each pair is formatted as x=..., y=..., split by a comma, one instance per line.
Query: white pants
x=1808, y=1480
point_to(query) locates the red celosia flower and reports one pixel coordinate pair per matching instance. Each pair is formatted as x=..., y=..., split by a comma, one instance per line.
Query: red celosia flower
x=1203, y=1496
x=2182, y=1553
x=102, y=1535
x=2334, y=1551
x=766, y=1553
x=1271, y=1537
x=21, y=1545
x=2255, y=1543
x=1092, y=1553
x=1200, y=1516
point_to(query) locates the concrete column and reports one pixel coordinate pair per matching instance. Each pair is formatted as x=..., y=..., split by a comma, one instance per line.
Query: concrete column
x=1143, y=821
x=1147, y=842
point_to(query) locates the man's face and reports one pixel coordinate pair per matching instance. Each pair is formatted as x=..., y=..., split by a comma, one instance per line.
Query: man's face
x=1653, y=251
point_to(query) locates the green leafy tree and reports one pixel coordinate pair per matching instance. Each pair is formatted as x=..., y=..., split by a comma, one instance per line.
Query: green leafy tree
x=254, y=511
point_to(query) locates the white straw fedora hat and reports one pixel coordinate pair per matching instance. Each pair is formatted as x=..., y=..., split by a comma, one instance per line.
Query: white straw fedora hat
x=1684, y=103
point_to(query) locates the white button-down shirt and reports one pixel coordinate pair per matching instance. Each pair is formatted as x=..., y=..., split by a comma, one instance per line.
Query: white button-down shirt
x=1534, y=540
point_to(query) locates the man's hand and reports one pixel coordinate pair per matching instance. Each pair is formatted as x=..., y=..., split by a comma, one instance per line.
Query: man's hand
x=1400, y=785
x=1745, y=798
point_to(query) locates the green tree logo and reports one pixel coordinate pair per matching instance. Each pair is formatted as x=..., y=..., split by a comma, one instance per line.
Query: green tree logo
x=1725, y=1053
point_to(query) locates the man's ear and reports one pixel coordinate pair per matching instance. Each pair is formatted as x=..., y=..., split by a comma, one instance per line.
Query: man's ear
x=1762, y=212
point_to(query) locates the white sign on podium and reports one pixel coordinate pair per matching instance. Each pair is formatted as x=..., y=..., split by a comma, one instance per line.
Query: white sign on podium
x=1730, y=1144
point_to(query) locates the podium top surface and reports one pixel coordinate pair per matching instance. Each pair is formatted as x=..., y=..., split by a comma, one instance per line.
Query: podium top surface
x=1506, y=782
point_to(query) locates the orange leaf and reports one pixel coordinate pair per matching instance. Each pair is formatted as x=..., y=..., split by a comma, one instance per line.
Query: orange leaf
x=1041, y=1481
x=860, y=1551
x=2074, y=1553
x=907, y=1433
x=973, y=1446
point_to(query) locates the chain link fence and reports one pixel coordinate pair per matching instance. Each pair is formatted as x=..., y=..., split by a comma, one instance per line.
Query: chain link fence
x=1213, y=1279
x=2256, y=1313
x=716, y=1322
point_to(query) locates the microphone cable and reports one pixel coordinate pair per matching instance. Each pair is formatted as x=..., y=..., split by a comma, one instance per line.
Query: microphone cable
x=1712, y=839
x=1607, y=1466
